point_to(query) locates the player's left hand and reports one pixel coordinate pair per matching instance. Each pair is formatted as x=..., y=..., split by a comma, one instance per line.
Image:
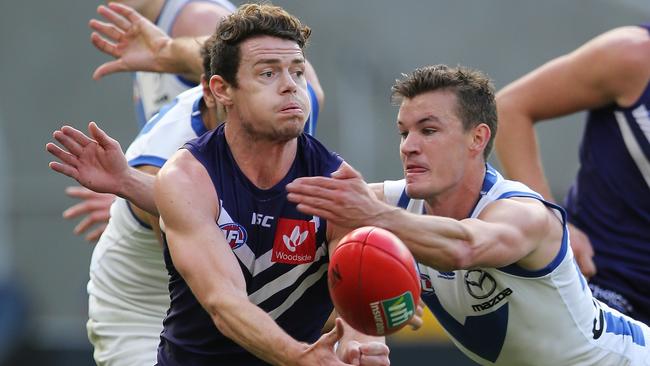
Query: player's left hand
x=416, y=320
x=365, y=354
x=96, y=208
x=345, y=199
x=96, y=161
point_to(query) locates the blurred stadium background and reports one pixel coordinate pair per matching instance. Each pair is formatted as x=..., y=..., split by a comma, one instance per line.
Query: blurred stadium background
x=358, y=48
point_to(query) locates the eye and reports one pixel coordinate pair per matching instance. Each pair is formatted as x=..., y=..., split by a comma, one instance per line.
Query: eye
x=267, y=74
x=403, y=134
x=429, y=131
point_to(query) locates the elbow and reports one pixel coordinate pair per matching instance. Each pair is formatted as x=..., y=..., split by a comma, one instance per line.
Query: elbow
x=459, y=257
x=218, y=307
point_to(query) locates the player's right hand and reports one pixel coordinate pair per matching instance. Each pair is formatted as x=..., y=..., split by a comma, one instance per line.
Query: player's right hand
x=96, y=208
x=582, y=251
x=322, y=352
x=129, y=37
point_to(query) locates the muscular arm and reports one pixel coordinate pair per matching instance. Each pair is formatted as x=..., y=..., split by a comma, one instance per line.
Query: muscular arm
x=611, y=68
x=507, y=231
x=189, y=207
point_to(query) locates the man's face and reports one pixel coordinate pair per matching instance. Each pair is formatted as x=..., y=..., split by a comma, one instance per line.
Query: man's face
x=434, y=146
x=271, y=99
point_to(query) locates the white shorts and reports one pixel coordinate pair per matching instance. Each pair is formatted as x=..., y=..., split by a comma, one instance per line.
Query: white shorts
x=122, y=338
x=127, y=293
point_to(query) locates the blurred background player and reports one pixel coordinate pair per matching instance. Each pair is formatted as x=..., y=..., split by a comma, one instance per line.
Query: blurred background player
x=491, y=251
x=151, y=90
x=608, y=205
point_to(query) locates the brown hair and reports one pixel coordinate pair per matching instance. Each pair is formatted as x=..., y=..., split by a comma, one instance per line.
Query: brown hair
x=248, y=21
x=473, y=89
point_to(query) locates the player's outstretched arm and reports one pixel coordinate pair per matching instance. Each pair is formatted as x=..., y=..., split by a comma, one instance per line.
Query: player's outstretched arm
x=95, y=209
x=98, y=163
x=136, y=44
x=189, y=206
x=507, y=231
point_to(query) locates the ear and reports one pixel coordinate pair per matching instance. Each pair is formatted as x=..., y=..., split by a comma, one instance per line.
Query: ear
x=480, y=136
x=221, y=90
x=208, y=98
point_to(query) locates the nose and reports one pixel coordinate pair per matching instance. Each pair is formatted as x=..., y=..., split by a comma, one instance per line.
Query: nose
x=287, y=83
x=409, y=145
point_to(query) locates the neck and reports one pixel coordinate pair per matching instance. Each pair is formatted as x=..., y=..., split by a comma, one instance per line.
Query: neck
x=458, y=202
x=263, y=162
x=210, y=116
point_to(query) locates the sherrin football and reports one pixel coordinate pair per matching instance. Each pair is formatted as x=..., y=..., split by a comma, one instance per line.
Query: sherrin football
x=373, y=281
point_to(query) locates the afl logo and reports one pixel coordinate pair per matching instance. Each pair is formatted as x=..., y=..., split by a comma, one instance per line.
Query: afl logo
x=479, y=284
x=235, y=234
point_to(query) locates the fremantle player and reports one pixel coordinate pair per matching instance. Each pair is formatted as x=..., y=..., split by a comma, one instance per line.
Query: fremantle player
x=128, y=295
x=609, y=204
x=292, y=265
x=496, y=266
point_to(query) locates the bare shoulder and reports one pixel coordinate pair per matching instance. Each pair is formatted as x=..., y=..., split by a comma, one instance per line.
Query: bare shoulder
x=183, y=172
x=184, y=189
x=529, y=215
x=198, y=18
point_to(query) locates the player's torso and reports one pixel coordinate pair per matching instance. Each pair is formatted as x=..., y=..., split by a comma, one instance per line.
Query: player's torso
x=610, y=199
x=127, y=265
x=151, y=90
x=282, y=253
x=126, y=268
x=511, y=316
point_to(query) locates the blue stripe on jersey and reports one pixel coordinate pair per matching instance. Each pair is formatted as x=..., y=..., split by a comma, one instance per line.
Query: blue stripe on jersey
x=471, y=334
x=187, y=82
x=147, y=160
x=312, y=120
x=515, y=269
x=142, y=223
x=403, y=200
x=197, y=121
x=156, y=117
x=621, y=326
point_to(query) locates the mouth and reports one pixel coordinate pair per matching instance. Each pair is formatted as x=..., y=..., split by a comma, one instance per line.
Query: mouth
x=414, y=169
x=291, y=108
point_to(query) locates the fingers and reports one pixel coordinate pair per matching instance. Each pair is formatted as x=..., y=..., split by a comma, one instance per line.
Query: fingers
x=117, y=15
x=102, y=137
x=64, y=169
x=62, y=155
x=346, y=171
x=100, y=205
x=374, y=354
x=587, y=265
x=94, y=218
x=80, y=192
x=96, y=233
x=71, y=145
x=416, y=321
x=106, y=29
x=76, y=135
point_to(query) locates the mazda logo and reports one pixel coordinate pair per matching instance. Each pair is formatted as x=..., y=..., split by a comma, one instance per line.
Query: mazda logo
x=479, y=284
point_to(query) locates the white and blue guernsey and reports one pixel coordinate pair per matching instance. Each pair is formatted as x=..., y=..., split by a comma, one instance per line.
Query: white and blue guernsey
x=513, y=316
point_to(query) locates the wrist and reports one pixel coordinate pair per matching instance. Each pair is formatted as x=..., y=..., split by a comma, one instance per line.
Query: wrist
x=126, y=182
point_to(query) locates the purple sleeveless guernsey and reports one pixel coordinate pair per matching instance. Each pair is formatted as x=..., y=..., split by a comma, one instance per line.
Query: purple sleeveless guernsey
x=281, y=252
x=610, y=202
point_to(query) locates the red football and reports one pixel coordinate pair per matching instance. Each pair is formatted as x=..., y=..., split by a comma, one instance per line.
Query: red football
x=373, y=281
